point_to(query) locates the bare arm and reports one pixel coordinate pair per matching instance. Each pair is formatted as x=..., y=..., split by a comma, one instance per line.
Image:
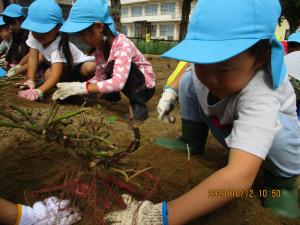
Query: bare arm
x=53, y=76
x=239, y=174
x=8, y=212
x=24, y=60
x=33, y=62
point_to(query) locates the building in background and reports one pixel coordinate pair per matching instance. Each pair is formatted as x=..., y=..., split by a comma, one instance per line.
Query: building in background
x=159, y=17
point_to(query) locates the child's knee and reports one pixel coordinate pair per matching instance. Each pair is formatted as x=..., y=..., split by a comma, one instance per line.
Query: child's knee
x=88, y=68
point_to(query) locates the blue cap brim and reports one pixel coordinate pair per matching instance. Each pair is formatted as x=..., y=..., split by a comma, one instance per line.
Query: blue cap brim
x=72, y=27
x=37, y=27
x=207, y=52
x=2, y=72
x=13, y=15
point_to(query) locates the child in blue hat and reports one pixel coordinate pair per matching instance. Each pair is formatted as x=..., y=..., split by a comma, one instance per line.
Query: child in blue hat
x=62, y=60
x=51, y=211
x=5, y=35
x=120, y=65
x=17, y=54
x=292, y=60
x=238, y=89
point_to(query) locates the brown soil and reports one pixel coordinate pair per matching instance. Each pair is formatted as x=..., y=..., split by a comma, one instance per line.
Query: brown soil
x=28, y=164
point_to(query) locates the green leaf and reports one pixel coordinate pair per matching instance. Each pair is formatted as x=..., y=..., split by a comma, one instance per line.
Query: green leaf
x=112, y=119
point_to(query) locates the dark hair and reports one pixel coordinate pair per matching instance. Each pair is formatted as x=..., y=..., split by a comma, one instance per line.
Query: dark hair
x=4, y=26
x=64, y=46
x=107, y=32
x=260, y=48
x=293, y=44
x=8, y=19
x=18, y=48
x=106, y=48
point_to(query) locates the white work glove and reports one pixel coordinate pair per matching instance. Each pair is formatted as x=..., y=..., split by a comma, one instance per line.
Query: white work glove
x=51, y=211
x=14, y=70
x=32, y=94
x=138, y=213
x=67, y=89
x=166, y=104
x=3, y=62
x=28, y=84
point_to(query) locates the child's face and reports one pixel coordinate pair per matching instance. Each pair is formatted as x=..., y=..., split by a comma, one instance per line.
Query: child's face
x=93, y=35
x=228, y=77
x=5, y=33
x=15, y=26
x=46, y=38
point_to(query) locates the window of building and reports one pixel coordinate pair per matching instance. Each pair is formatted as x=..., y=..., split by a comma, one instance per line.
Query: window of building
x=167, y=30
x=168, y=8
x=124, y=30
x=153, y=31
x=136, y=11
x=124, y=12
x=151, y=10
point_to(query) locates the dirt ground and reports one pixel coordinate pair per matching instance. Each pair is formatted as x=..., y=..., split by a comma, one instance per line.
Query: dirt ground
x=28, y=164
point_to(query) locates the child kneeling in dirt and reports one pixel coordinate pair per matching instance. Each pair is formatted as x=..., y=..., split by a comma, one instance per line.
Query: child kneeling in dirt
x=61, y=59
x=120, y=65
x=51, y=211
x=17, y=55
x=237, y=88
x=292, y=60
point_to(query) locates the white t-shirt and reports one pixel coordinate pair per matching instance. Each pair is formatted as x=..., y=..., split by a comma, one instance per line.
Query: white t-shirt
x=5, y=45
x=52, y=53
x=292, y=62
x=253, y=112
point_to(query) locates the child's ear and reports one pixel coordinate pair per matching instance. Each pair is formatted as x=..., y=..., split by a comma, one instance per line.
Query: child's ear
x=263, y=60
x=99, y=26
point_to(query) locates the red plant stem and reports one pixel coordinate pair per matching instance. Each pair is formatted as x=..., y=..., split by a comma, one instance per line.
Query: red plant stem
x=121, y=184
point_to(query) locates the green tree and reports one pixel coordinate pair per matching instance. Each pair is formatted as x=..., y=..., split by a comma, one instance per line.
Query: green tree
x=115, y=11
x=291, y=11
x=185, y=12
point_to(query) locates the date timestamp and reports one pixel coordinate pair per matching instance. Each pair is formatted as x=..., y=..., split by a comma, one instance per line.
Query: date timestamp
x=243, y=193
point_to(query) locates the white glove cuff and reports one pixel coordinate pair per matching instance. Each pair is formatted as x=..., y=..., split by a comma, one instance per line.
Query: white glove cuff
x=171, y=90
x=25, y=215
x=40, y=93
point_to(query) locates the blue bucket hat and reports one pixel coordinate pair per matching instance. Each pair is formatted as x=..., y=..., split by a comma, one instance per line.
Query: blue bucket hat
x=2, y=21
x=43, y=16
x=2, y=73
x=86, y=12
x=14, y=10
x=295, y=37
x=220, y=29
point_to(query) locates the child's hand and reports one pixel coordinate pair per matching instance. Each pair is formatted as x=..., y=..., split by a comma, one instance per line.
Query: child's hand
x=3, y=62
x=137, y=212
x=28, y=84
x=31, y=94
x=51, y=211
x=166, y=104
x=68, y=89
x=14, y=70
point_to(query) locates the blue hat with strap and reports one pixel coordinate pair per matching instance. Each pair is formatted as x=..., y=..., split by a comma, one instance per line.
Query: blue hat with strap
x=84, y=13
x=2, y=21
x=43, y=16
x=220, y=29
x=295, y=37
x=14, y=10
